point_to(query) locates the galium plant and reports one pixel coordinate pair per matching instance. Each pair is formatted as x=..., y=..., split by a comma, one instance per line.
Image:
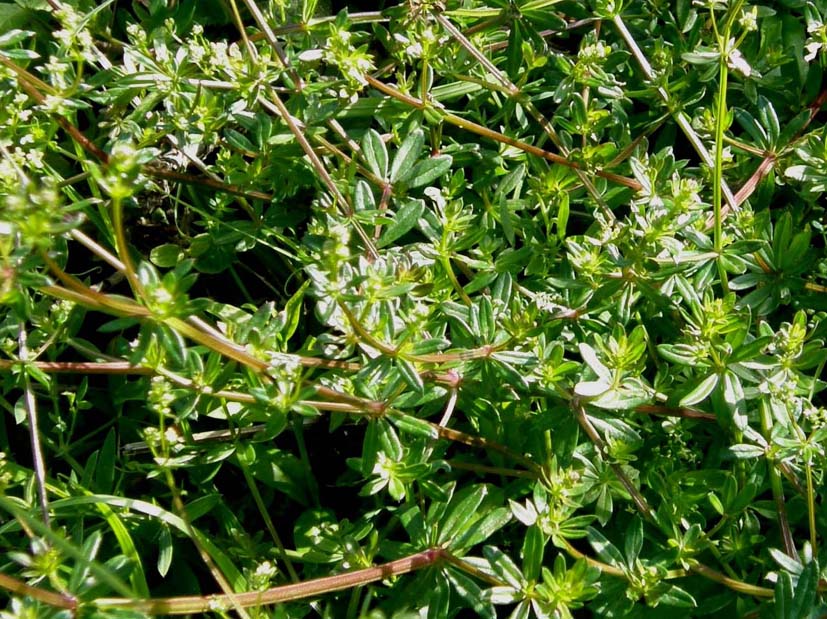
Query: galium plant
x=452, y=308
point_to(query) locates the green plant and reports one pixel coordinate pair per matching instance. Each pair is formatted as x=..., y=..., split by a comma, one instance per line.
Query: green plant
x=503, y=308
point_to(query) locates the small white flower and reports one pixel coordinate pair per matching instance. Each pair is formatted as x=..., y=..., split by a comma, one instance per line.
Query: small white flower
x=53, y=104
x=172, y=435
x=63, y=36
x=737, y=62
x=265, y=569
x=812, y=50
x=749, y=19
x=35, y=159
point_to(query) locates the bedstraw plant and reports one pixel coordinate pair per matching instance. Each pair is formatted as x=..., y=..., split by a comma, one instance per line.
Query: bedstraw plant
x=496, y=308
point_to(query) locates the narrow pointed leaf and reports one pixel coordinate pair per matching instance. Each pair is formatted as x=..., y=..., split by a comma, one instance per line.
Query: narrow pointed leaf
x=407, y=154
x=701, y=391
x=375, y=153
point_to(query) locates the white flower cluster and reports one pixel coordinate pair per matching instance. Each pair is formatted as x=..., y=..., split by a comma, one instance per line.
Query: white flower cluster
x=73, y=34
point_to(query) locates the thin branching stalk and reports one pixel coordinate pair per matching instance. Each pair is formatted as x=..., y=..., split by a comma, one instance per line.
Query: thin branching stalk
x=232, y=601
x=777, y=487
x=637, y=498
x=478, y=441
x=611, y=570
x=262, y=510
x=679, y=115
x=50, y=598
x=34, y=429
x=731, y=583
x=185, y=605
x=490, y=470
x=496, y=136
x=717, y=170
x=515, y=93
x=275, y=105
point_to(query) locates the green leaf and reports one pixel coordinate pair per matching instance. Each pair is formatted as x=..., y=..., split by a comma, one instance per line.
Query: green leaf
x=426, y=171
x=27, y=54
x=631, y=393
x=533, y=546
x=375, y=153
x=240, y=141
x=469, y=591
x=18, y=17
x=680, y=354
x=166, y=256
x=769, y=119
x=716, y=503
x=590, y=357
x=751, y=350
x=407, y=154
x=370, y=447
x=514, y=56
x=527, y=515
x=293, y=312
x=604, y=548
x=675, y=596
x=756, y=131
x=404, y=220
x=410, y=374
x=508, y=595
x=786, y=562
x=165, y=550
x=804, y=600
x=562, y=216
x=701, y=391
x=429, y=346
x=483, y=528
x=389, y=441
x=461, y=513
x=504, y=567
x=505, y=221
x=105, y=470
x=413, y=425
x=440, y=598
x=783, y=598
x=733, y=393
x=701, y=58
x=12, y=37
x=633, y=541
x=591, y=388
x=414, y=524
x=744, y=451
x=363, y=199
x=89, y=551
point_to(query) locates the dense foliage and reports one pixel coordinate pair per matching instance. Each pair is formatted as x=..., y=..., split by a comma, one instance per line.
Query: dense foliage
x=520, y=300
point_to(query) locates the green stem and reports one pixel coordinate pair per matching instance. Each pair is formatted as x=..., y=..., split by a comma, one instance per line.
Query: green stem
x=731, y=583
x=720, y=122
x=449, y=271
x=679, y=115
x=637, y=498
x=603, y=567
x=262, y=510
x=517, y=95
x=217, y=574
x=811, y=507
x=775, y=484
